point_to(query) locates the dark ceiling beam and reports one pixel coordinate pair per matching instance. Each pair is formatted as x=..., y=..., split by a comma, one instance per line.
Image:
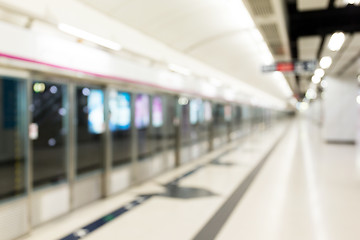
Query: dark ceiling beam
x=319, y=22
x=322, y=22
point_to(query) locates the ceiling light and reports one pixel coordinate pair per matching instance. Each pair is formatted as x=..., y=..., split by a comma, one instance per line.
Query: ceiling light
x=325, y=62
x=336, y=41
x=315, y=79
x=302, y=106
x=319, y=72
x=358, y=99
x=179, y=69
x=351, y=2
x=89, y=37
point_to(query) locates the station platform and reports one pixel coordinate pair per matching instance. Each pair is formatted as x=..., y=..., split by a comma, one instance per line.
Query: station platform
x=280, y=183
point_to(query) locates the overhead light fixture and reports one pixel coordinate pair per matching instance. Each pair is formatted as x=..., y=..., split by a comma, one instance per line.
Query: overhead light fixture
x=319, y=72
x=352, y=2
x=179, y=69
x=79, y=33
x=325, y=62
x=316, y=79
x=302, y=106
x=336, y=41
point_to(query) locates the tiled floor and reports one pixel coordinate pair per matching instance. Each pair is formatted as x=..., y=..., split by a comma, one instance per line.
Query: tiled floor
x=306, y=190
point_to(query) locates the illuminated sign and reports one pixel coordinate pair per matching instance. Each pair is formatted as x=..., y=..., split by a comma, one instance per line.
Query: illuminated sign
x=291, y=67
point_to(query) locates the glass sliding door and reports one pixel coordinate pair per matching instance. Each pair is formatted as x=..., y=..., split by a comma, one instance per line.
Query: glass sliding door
x=12, y=137
x=120, y=126
x=157, y=124
x=90, y=129
x=49, y=131
x=170, y=103
x=142, y=124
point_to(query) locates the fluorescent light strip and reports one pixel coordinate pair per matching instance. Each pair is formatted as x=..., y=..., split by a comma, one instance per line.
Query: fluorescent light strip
x=89, y=37
x=179, y=69
x=336, y=41
x=325, y=62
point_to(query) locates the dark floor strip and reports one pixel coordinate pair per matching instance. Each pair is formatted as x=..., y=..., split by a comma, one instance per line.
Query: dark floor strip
x=214, y=225
x=84, y=231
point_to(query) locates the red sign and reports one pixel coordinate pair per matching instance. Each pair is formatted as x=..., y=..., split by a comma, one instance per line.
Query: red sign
x=285, y=67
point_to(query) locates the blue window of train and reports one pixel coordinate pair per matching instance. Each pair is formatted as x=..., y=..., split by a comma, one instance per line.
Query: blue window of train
x=90, y=127
x=12, y=136
x=120, y=124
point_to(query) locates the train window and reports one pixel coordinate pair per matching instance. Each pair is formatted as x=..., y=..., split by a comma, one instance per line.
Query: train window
x=90, y=128
x=157, y=112
x=49, y=119
x=142, y=123
x=120, y=124
x=157, y=123
x=12, y=135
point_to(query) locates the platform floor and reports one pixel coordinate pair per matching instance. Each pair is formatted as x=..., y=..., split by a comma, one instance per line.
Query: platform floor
x=283, y=183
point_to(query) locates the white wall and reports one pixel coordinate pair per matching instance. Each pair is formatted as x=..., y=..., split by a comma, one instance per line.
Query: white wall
x=315, y=111
x=340, y=109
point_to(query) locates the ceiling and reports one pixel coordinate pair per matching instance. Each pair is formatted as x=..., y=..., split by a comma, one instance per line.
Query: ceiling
x=220, y=33
x=311, y=24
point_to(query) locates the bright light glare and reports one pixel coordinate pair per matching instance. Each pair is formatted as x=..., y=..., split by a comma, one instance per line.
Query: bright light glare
x=302, y=106
x=336, y=41
x=89, y=36
x=352, y=2
x=315, y=79
x=319, y=72
x=53, y=89
x=325, y=62
x=86, y=91
x=311, y=94
x=39, y=87
x=179, y=69
x=358, y=99
x=183, y=101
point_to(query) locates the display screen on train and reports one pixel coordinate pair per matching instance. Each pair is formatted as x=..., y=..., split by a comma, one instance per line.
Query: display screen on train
x=95, y=108
x=207, y=111
x=142, y=118
x=157, y=112
x=201, y=110
x=194, y=111
x=120, y=109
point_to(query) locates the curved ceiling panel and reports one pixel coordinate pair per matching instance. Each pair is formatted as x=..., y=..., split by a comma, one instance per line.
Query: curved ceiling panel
x=218, y=32
x=229, y=54
x=178, y=23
